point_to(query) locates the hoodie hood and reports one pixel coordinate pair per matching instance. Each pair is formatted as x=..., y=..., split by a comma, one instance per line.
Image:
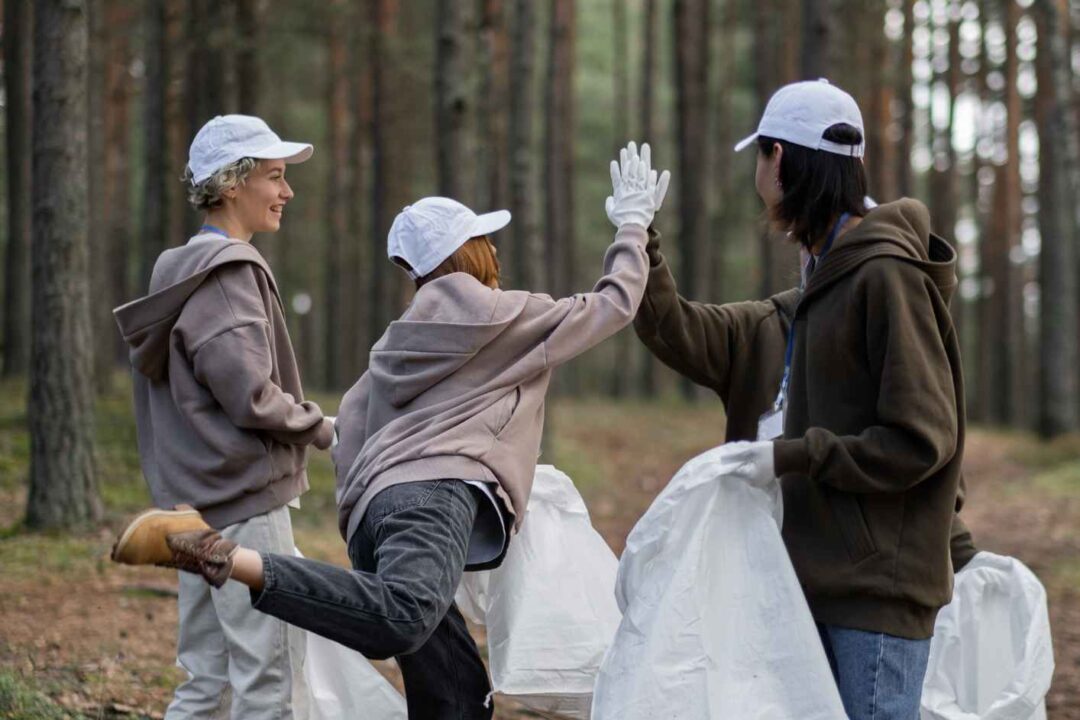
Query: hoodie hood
x=449, y=321
x=146, y=323
x=899, y=229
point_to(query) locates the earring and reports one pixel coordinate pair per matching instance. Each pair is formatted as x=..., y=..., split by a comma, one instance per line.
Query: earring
x=779, y=184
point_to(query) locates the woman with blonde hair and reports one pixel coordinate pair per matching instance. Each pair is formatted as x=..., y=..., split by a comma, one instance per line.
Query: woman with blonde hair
x=438, y=444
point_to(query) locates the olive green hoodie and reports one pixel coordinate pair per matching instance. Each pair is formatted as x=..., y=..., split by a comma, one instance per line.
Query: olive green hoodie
x=874, y=420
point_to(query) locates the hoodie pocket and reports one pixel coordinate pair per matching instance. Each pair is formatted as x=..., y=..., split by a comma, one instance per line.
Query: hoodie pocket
x=849, y=517
x=503, y=410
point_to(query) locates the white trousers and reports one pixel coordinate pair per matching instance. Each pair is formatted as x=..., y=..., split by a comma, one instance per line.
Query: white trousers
x=240, y=662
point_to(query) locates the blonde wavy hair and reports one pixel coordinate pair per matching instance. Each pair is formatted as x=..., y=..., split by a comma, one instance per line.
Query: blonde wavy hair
x=210, y=193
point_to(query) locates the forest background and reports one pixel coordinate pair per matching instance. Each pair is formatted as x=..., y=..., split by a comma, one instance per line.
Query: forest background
x=971, y=106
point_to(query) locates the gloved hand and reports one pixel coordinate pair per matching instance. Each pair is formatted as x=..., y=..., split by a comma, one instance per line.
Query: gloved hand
x=637, y=191
x=751, y=461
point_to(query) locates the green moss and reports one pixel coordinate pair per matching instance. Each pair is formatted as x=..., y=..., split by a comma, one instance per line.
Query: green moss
x=19, y=700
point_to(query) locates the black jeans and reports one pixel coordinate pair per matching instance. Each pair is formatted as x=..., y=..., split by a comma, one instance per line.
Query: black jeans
x=398, y=600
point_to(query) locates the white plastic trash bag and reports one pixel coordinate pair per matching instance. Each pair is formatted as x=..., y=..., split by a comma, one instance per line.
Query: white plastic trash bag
x=549, y=609
x=991, y=657
x=342, y=684
x=715, y=625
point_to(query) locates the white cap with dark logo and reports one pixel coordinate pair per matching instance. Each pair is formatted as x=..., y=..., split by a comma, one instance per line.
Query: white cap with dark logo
x=228, y=138
x=433, y=228
x=801, y=112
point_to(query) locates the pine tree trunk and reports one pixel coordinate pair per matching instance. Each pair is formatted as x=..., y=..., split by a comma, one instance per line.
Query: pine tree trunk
x=155, y=156
x=906, y=105
x=1058, y=154
x=492, y=190
x=691, y=43
x=355, y=333
x=63, y=489
x=97, y=213
x=527, y=251
x=623, y=369
x=451, y=98
x=18, y=59
x=1015, y=333
x=179, y=216
x=649, y=366
x=559, y=150
x=248, y=67
x=116, y=196
x=816, y=34
x=337, y=197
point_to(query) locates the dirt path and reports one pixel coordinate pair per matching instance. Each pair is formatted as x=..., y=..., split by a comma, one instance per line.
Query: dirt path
x=100, y=639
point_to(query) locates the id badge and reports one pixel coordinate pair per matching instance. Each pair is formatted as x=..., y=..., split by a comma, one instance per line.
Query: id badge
x=771, y=425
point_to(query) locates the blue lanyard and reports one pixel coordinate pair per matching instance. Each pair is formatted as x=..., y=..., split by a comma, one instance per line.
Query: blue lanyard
x=213, y=229
x=782, y=395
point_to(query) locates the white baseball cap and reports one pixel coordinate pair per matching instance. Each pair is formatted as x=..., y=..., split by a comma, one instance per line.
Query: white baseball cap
x=433, y=228
x=228, y=138
x=801, y=113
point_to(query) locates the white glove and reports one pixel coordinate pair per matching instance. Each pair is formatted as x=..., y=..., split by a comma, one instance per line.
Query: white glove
x=637, y=192
x=751, y=461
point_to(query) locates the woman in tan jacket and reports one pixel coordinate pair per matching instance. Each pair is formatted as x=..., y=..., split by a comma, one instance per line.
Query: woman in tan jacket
x=438, y=444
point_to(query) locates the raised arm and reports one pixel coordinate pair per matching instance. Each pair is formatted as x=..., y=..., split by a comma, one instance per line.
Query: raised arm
x=582, y=321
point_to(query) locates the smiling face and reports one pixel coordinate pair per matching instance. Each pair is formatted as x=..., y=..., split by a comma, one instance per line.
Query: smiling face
x=259, y=202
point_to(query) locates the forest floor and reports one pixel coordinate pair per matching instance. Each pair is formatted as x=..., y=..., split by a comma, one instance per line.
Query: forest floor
x=82, y=637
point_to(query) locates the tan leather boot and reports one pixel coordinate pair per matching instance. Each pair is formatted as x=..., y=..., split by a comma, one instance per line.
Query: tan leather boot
x=203, y=552
x=143, y=540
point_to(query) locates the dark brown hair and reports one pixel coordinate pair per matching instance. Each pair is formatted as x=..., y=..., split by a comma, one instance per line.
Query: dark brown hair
x=476, y=257
x=818, y=186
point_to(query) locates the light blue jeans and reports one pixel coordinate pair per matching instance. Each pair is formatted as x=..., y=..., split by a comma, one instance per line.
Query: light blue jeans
x=880, y=676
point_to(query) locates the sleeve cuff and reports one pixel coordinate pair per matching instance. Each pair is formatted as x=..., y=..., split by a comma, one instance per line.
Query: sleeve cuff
x=790, y=456
x=652, y=247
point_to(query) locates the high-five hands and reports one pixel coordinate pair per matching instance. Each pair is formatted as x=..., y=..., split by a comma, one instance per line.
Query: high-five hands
x=636, y=191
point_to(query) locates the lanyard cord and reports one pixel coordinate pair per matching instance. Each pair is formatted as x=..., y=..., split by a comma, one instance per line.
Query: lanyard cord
x=782, y=395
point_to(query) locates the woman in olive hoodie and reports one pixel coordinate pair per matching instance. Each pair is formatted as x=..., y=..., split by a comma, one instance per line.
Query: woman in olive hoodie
x=849, y=389
x=438, y=444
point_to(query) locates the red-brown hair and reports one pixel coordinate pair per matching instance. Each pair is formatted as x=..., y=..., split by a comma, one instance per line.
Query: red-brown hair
x=476, y=257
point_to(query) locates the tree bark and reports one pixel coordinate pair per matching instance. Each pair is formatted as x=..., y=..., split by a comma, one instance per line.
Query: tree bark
x=63, y=488
x=451, y=98
x=355, y=332
x=625, y=345
x=527, y=250
x=1058, y=351
x=18, y=59
x=248, y=68
x=1015, y=333
x=648, y=374
x=337, y=197
x=906, y=105
x=155, y=141
x=492, y=190
x=559, y=150
x=816, y=33
x=116, y=195
x=691, y=44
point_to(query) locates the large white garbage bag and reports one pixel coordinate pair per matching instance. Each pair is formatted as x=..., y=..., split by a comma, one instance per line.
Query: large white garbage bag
x=715, y=625
x=342, y=684
x=550, y=608
x=991, y=657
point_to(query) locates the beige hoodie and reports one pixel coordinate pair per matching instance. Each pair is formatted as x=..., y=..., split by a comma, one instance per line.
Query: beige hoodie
x=455, y=388
x=221, y=417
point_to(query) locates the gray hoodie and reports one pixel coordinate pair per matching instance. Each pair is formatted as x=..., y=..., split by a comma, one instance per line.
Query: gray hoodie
x=221, y=418
x=455, y=387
